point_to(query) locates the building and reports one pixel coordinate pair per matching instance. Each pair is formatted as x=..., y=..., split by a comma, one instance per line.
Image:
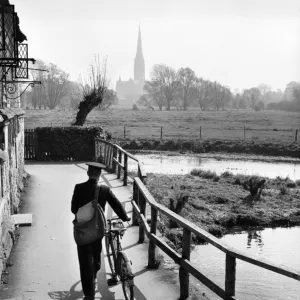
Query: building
x=128, y=92
x=13, y=69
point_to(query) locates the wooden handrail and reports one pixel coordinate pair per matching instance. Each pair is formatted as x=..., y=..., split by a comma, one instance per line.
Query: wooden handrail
x=188, y=228
x=112, y=158
x=141, y=196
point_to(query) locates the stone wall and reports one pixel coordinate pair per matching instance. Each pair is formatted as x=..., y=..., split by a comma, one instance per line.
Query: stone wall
x=12, y=176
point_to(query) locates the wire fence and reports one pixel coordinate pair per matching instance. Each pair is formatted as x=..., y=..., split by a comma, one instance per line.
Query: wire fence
x=175, y=131
x=241, y=133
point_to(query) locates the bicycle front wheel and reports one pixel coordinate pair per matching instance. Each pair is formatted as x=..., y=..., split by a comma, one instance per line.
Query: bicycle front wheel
x=126, y=276
x=111, y=246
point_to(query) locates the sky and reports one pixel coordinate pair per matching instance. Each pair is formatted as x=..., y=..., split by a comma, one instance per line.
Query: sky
x=239, y=43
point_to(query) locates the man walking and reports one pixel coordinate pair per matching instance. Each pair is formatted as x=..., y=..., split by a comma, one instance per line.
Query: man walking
x=89, y=255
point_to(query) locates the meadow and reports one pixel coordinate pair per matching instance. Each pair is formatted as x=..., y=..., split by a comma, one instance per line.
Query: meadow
x=227, y=125
x=222, y=204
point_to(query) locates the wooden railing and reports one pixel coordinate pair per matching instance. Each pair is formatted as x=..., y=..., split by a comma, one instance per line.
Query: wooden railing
x=141, y=196
x=116, y=159
x=112, y=157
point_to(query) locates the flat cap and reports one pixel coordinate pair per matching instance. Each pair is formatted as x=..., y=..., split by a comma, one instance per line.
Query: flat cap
x=96, y=165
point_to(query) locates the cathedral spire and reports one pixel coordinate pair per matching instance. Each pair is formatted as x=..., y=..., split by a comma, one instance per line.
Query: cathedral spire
x=139, y=49
x=139, y=62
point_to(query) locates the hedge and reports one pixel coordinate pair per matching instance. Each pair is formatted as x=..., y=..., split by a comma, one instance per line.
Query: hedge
x=67, y=143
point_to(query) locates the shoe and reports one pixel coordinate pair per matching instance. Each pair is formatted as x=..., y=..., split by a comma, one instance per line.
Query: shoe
x=112, y=281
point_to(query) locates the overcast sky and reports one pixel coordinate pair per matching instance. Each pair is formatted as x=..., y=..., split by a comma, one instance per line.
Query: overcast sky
x=239, y=43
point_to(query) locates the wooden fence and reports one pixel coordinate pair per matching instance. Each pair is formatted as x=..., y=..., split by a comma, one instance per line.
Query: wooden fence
x=116, y=159
x=30, y=145
x=142, y=197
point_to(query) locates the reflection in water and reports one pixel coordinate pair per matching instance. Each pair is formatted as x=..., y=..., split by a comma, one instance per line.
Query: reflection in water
x=280, y=246
x=184, y=164
x=256, y=237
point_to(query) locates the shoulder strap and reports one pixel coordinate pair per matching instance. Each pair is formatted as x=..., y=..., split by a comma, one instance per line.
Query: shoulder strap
x=97, y=191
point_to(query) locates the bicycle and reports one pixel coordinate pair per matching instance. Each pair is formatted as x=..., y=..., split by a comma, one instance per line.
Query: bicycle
x=118, y=261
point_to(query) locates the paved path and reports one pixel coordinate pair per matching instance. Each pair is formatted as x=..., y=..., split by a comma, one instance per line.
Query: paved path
x=44, y=260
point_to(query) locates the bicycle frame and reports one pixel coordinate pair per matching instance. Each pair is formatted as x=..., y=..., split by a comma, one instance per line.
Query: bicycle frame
x=114, y=236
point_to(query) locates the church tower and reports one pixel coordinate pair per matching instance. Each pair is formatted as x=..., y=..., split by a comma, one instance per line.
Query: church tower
x=139, y=62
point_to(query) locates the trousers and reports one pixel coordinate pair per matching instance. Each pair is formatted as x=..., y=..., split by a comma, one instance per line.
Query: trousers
x=89, y=257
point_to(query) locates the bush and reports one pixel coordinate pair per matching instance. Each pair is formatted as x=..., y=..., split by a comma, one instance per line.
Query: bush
x=134, y=107
x=283, y=190
x=204, y=174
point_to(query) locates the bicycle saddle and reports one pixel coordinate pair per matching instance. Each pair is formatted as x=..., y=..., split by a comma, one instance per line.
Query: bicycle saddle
x=118, y=227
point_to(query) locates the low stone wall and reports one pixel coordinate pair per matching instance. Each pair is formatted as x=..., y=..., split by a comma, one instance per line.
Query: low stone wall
x=11, y=176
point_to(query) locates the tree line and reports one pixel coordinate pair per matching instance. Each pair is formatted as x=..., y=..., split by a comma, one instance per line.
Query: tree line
x=183, y=88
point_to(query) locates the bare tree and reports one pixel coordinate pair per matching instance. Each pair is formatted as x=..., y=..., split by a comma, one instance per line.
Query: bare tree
x=55, y=85
x=202, y=89
x=221, y=93
x=253, y=96
x=154, y=92
x=167, y=78
x=94, y=90
x=188, y=82
x=38, y=94
x=264, y=89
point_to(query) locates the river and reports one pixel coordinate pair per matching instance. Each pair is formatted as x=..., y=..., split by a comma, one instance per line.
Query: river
x=181, y=164
x=280, y=245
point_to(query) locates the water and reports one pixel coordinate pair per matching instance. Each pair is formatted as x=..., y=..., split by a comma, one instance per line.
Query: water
x=280, y=246
x=184, y=164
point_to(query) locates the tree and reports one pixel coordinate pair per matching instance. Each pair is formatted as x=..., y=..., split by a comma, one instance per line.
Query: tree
x=264, y=89
x=188, y=81
x=202, y=89
x=296, y=93
x=236, y=101
x=38, y=94
x=167, y=79
x=94, y=90
x=221, y=93
x=253, y=96
x=154, y=92
x=289, y=90
x=55, y=85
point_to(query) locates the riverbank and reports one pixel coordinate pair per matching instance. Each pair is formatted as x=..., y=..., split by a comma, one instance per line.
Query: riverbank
x=214, y=146
x=222, y=204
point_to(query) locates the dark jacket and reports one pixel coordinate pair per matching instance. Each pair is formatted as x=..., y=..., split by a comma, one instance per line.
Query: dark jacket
x=85, y=192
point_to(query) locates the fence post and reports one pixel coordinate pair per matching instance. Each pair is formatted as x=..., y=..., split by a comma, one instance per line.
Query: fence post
x=151, y=251
x=244, y=132
x=105, y=154
x=37, y=149
x=230, y=276
x=142, y=201
x=161, y=130
x=114, y=164
x=125, y=169
x=120, y=161
x=135, y=219
x=296, y=135
x=124, y=131
x=184, y=276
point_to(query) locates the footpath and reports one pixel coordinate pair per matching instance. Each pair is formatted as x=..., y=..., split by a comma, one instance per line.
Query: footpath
x=44, y=262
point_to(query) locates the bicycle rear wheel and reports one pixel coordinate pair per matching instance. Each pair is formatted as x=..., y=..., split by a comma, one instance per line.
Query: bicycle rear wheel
x=111, y=246
x=126, y=276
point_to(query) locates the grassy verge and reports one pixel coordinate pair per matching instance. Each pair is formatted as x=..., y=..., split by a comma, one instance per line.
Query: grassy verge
x=213, y=146
x=221, y=204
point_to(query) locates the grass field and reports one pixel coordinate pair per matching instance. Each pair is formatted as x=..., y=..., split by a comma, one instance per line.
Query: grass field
x=262, y=125
x=221, y=204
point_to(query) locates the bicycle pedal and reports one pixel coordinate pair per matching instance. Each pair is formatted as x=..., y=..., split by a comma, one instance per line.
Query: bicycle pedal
x=112, y=281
